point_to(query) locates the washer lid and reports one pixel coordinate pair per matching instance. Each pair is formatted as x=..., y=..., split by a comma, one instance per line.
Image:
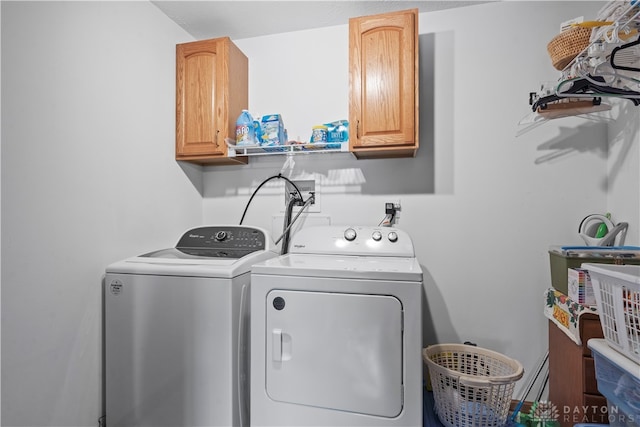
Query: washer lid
x=212, y=251
x=202, y=267
x=339, y=266
x=198, y=253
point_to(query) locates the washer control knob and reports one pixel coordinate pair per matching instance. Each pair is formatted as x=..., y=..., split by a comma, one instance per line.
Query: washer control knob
x=220, y=235
x=350, y=234
x=393, y=236
x=377, y=236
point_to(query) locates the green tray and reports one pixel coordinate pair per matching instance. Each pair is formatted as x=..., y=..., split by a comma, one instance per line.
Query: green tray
x=561, y=258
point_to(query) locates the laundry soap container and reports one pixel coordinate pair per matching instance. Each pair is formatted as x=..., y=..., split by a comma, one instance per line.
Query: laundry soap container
x=562, y=258
x=245, y=129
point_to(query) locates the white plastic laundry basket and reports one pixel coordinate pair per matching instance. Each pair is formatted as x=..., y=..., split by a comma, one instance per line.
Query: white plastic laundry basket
x=472, y=386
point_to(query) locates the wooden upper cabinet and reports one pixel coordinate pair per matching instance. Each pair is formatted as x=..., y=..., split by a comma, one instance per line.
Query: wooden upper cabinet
x=383, y=79
x=211, y=92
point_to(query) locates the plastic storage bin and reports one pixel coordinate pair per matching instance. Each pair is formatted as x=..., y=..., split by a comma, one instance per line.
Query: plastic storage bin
x=617, y=291
x=619, y=381
x=561, y=258
x=471, y=386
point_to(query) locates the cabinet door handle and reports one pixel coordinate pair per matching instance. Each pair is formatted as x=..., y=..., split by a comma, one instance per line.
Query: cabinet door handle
x=215, y=140
x=357, y=129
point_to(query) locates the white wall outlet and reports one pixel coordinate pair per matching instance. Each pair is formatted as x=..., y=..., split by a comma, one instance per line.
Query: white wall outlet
x=308, y=188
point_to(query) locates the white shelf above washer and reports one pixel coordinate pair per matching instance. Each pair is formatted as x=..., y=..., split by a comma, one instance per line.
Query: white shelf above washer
x=289, y=149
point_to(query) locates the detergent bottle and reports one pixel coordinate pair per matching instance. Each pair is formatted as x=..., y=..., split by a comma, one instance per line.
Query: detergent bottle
x=245, y=130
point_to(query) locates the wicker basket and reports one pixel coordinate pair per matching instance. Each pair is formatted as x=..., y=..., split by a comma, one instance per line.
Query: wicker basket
x=566, y=45
x=472, y=386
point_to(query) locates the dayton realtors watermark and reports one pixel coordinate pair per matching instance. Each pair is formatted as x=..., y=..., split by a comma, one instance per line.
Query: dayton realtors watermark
x=545, y=413
x=596, y=414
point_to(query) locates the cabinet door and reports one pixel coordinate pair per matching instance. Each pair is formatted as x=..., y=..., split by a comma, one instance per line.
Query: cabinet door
x=383, y=57
x=207, y=102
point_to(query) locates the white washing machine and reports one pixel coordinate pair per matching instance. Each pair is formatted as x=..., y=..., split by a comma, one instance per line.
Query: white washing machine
x=336, y=332
x=176, y=330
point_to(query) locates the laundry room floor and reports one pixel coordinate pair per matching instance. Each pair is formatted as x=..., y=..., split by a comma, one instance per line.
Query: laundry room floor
x=429, y=417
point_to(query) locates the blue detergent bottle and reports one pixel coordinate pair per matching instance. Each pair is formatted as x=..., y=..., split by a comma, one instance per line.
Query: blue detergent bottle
x=245, y=131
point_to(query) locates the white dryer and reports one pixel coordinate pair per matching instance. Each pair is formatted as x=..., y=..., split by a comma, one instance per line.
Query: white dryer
x=336, y=331
x=176, y=330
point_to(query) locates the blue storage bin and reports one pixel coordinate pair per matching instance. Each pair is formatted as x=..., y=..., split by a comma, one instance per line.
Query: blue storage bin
x=618, y=379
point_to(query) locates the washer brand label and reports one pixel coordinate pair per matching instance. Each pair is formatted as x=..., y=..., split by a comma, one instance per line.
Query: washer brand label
x=115, y=287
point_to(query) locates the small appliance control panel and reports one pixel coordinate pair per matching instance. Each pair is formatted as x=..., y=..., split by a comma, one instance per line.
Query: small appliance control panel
x=353, y=240
x=224, y=237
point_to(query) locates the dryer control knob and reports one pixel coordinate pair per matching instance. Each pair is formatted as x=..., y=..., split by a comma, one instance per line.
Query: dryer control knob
x=350, y=234
x=377, y=236
x=393, y=236
x=221, y=235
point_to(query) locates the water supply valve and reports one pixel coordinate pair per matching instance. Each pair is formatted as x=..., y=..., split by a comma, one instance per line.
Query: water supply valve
x=390, y=209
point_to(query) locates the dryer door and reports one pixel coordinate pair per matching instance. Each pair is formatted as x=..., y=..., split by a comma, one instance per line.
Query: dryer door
x=335, y=351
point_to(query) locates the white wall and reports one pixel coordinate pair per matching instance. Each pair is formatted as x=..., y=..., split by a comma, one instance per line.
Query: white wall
x=623, y=176
x=0, y=209
x=484, y=212
x=88, y=178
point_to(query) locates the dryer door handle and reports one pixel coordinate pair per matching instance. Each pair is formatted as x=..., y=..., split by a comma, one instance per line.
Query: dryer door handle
x=276, y=345
x=280, y=345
